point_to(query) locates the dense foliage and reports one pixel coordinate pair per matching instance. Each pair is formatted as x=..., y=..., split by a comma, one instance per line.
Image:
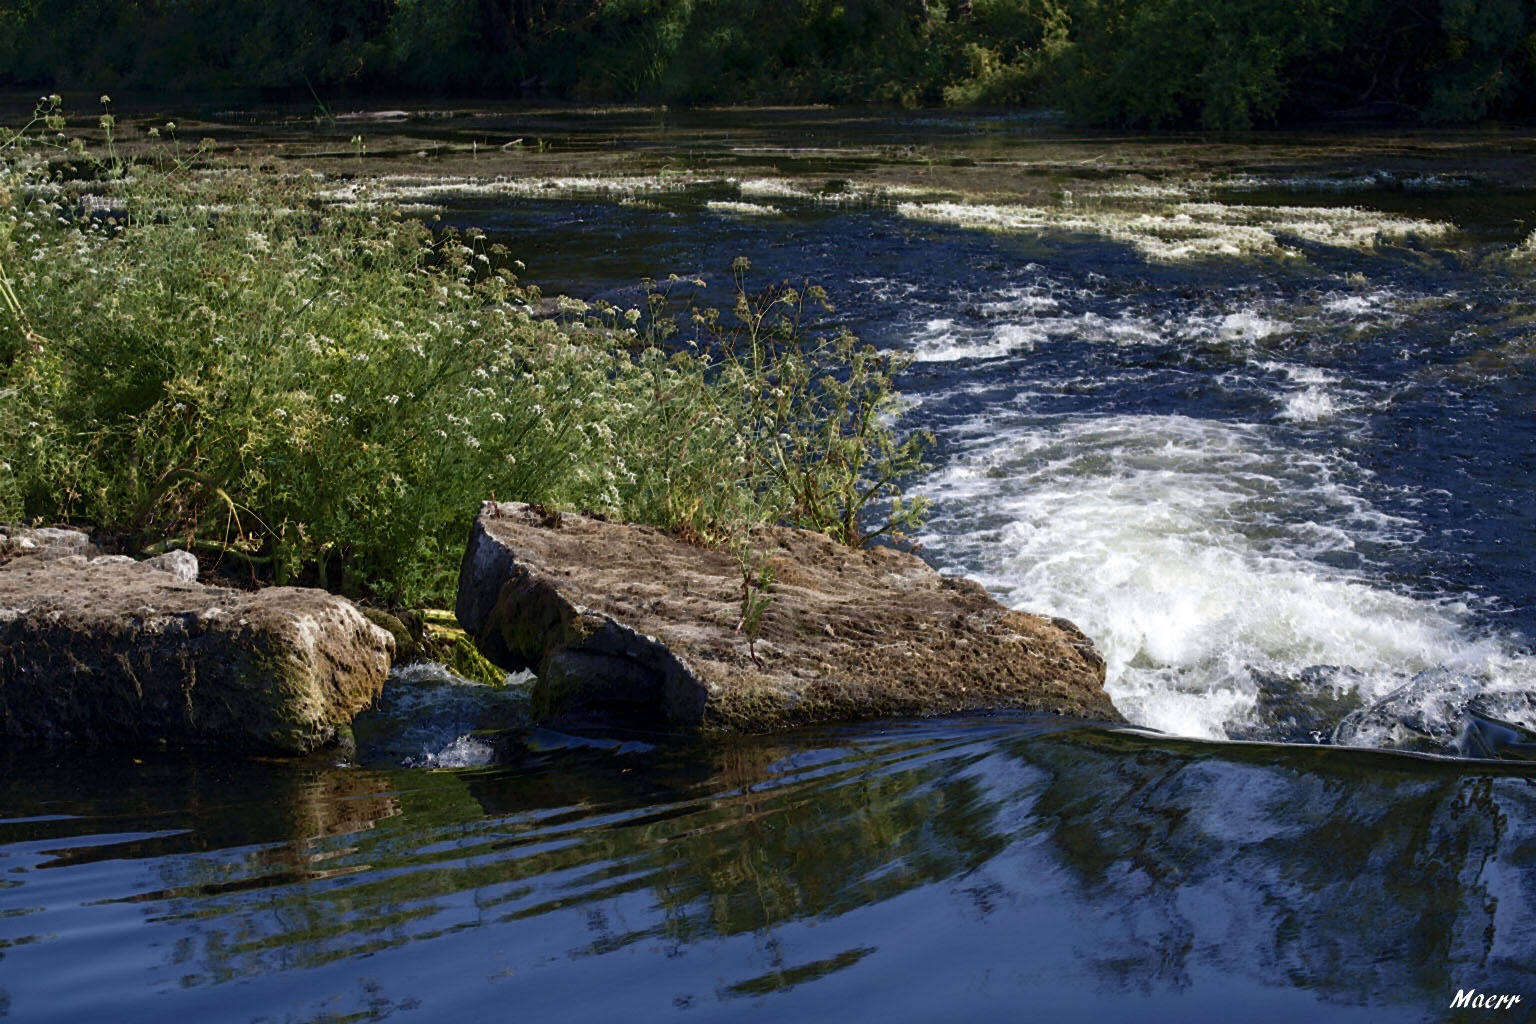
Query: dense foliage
x=1210, y=63
x=316, y=387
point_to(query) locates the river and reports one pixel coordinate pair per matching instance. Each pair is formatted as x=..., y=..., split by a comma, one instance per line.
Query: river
x=1258, y=414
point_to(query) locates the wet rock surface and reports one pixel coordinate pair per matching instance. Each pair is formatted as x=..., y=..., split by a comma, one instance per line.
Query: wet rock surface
x=109, y=649
x=1440, y=712
x=626, y=624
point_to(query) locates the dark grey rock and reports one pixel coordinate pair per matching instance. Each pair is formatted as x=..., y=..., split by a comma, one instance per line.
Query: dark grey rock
x=627, y=624
x=1441, y=712
x=110, y=649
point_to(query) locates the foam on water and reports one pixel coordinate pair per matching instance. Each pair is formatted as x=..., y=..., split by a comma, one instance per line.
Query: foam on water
x=430, y=718
x=1247, y=325
x=1311, y=397
x=1001, y=328
x=1191, y=552
x=944, y=339
x=464, y=752
x=1376, y=180
x=1021, y=317
x=1309, y=405
x=1354, y=305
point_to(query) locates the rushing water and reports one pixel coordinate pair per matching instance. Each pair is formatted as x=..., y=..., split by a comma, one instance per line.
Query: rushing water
x=1269, y=439
x=1275, y=492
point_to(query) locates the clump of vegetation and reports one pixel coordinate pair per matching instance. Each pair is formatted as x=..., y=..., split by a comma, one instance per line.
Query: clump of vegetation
x=192, y=355
x=763, y=415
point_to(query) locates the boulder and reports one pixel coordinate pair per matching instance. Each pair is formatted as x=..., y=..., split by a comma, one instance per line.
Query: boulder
x=179, y=563
x=111, y=649
x=628, y=624
x=48, y=542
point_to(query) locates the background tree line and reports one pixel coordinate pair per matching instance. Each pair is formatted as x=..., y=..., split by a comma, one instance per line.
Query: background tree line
x=1145, y=63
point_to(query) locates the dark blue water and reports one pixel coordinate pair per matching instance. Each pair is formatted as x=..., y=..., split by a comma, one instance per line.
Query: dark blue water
x=1428, y=349
x=987, y=870
x=1287, y=492
x=1258, y=482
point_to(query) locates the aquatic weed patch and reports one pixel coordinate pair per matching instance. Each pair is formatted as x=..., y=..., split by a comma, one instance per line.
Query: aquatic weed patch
x=1184, y=229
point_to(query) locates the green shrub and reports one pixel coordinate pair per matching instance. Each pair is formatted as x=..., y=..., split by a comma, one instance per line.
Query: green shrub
x=1162, y=63
x=327, y=390
x=813, y=413
x=761, y=416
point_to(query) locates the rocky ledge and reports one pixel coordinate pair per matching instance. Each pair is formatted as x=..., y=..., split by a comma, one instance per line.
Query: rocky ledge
x=106, y=648
x=627, y=624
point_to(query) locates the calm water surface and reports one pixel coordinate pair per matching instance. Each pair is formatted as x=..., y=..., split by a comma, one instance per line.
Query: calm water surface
x=1286, y=489
x=993, y=869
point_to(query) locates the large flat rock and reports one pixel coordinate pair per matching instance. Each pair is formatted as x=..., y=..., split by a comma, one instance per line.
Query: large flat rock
x=626, y=623
x=110, y=649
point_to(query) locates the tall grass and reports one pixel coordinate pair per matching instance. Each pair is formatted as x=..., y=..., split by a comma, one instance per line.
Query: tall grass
x=201, y=356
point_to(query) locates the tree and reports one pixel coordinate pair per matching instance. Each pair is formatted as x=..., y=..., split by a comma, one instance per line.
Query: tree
x=1161, y=63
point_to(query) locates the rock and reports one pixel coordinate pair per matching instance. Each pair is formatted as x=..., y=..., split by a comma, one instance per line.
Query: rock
x=55, y=542
x=406, y=649
x=627, y=624
x=429, y=636
x=179, y=563
x=1499, y=726
x=115, y=650
x=47, y=542
x=1421, y=716
x=440, y=639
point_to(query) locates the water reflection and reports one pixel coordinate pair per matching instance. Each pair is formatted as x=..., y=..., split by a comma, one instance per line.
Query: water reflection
x=1343, y=874
x=973, y=858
